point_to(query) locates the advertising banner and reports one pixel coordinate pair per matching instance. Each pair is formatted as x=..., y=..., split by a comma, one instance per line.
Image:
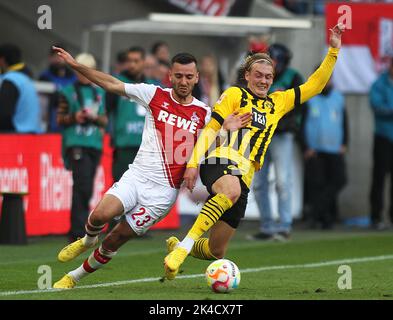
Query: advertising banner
x=33, y=164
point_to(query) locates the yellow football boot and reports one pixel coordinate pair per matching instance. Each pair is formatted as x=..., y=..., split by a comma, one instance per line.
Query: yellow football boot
x=171, y=243
x=173, y=261
x=67, y=282
x=73, y=250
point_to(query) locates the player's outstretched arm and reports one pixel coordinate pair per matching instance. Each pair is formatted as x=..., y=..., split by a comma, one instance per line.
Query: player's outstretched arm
x=105, y=81
x=318, y=80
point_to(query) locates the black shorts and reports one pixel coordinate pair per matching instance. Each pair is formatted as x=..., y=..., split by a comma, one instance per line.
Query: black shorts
x=210, y=173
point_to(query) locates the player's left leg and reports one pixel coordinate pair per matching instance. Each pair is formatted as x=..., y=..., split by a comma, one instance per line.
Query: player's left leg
x=100, y=257
x=201, y=247
x=226, y=192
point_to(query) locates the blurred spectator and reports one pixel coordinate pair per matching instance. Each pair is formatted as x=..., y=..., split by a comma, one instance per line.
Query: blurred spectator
x=163, y=73
x=255, y=44
x=279, y=154
x=127, y=118
x=82, y=114
x=381, y=100
x=160, y=50
x=60, y=75
x=151, y=69
x=325, y=138
x=210, y=84
x=121, y=62
x=19, y=105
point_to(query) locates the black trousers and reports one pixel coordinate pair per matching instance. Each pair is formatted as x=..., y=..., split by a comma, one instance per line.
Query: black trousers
x=383, y=164
x=84, y=163
x=122, y=157
x=325, y=177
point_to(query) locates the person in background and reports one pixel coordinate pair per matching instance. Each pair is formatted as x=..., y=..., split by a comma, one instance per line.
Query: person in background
x=279, y=155
x=163, y=73
x=20, y=111
x=210, y=83
x=60, y=75
x=81, y=113
x=151, y=69
x=127, y=118
x=325, y=139
x=121, y=62
x=381, y=101
x=160, y=50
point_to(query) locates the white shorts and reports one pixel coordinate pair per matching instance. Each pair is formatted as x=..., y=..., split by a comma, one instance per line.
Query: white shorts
x=145, y=202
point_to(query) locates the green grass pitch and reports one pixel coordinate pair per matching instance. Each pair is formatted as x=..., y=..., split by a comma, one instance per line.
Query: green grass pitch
x=304, y=268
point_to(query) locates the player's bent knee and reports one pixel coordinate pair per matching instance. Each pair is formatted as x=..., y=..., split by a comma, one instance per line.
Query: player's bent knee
x=230, y=186
x=233, y=194
x=234, y=197
x=98, y=217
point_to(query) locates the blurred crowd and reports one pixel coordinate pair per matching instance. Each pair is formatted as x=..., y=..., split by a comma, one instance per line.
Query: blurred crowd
x=319, y=127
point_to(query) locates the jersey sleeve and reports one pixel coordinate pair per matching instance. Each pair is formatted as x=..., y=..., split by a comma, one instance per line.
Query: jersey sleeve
x=141, y=93
x=314, y=84
x=223, y=108
x=226, y=104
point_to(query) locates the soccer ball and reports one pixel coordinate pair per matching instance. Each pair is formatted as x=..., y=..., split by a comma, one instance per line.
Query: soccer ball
x=222, y=276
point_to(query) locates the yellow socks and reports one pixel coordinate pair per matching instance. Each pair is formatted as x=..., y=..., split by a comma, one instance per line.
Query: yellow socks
x=212, y=210
x=201, y=250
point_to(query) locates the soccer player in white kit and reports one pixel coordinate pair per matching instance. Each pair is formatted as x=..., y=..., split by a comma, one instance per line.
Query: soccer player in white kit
x=149, y=188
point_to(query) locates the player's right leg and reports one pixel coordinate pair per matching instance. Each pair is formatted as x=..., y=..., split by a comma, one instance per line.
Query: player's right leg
x=108, y=208
x=120, y=234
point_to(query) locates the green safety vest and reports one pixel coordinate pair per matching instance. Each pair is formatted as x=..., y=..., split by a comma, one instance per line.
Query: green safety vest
x=86, y=135
x=128, y=120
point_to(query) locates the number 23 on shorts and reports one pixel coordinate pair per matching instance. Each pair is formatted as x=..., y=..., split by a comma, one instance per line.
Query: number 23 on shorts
x=142, y=215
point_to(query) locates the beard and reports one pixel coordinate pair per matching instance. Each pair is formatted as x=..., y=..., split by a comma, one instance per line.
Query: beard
x=182, y=91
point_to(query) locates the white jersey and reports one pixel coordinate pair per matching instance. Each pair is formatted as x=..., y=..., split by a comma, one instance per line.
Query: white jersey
x=169, y=134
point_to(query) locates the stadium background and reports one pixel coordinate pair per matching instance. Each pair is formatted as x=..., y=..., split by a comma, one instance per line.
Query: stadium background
x=70, y=17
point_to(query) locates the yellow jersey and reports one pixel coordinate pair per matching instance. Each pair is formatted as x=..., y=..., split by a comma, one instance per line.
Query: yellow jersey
x=247, y=146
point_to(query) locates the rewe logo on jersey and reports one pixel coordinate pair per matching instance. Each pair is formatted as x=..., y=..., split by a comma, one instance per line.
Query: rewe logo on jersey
x=177, y=121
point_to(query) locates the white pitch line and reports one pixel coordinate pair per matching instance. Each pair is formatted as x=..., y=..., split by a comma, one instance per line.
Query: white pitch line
x=248, y=270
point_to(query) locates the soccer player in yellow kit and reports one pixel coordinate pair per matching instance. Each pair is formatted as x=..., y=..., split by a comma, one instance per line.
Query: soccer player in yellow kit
x=228, y=169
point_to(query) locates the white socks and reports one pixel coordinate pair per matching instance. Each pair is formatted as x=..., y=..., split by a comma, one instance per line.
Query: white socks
x=187, y=243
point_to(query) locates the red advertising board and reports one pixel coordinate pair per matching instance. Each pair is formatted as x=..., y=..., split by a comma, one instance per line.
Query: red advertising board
x=33, y=164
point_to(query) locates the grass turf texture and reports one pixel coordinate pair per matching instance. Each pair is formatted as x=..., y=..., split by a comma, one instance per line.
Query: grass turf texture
x=142, y=259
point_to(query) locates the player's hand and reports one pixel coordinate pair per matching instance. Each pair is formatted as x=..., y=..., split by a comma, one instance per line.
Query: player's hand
x=335, y=35
x=66, y=56
x=190, y=177
x=235, y=121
